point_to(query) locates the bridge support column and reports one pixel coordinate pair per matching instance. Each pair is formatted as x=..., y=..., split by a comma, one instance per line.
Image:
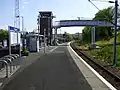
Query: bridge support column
x=93, y=45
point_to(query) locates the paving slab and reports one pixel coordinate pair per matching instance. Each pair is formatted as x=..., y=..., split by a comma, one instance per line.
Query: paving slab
x=91, y=78
x=20, y=64
x=52, y=71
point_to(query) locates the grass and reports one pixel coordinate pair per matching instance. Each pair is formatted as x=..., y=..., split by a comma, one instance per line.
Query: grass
x=106, y=52
x=81, y=45
x=109, y=42
x=103, y=43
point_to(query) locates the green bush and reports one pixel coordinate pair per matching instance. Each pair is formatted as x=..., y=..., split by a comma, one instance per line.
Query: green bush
x=25, y=52
x=104, y=54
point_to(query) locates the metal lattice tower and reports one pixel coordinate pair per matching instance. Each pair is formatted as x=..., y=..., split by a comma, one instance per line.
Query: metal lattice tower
x=17, y=15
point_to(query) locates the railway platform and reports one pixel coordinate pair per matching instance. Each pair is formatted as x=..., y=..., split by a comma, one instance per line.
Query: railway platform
x=59, y=69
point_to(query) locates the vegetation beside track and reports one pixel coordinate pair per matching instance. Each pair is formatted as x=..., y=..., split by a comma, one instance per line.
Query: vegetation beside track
x=104, y=37
x=105, y=52
x=111, y=74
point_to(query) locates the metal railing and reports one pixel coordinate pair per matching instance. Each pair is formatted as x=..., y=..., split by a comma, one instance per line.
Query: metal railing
x=7, y=62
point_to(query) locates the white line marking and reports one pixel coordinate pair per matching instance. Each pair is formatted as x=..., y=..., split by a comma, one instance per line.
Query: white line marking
x=1, y=84
x=53, y=49
x=96, y=73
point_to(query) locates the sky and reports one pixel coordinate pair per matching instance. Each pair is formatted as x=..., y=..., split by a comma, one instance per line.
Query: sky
x=62, y=9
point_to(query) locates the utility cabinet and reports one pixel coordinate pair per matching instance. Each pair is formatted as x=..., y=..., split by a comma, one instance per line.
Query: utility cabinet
x=33, y=42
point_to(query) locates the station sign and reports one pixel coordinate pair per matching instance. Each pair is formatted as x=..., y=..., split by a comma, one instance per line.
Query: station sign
x=14, y=35
x=10, y=28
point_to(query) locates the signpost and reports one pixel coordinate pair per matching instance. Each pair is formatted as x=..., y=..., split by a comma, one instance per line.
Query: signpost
x=14, y=37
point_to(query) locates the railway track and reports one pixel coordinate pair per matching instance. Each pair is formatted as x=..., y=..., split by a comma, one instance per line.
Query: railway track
x=102, y=70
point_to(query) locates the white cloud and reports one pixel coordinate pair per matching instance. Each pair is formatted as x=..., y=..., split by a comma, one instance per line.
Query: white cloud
x=23, y=7
x=3, y=27
x=26, y=1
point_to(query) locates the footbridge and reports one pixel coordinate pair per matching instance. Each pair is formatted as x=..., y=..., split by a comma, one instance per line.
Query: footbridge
x=78, y=23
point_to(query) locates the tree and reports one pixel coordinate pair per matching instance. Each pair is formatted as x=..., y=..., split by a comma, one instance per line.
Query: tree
x=77, y=36
x=68, y=36
x=86, y=34
x=105, y=14
x=3, y=34
x=101, y=32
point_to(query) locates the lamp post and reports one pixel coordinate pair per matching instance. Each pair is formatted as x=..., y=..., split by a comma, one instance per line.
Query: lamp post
x=115, y=28
x=44, y=30
x=18, y=17
x=22, y=18
x=49, y=31
x=55, y=32
x=23, y=33
x=44, y=41
x=38, y=22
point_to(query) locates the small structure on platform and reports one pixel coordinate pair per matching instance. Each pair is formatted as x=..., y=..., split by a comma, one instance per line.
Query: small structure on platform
x=34, y=42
